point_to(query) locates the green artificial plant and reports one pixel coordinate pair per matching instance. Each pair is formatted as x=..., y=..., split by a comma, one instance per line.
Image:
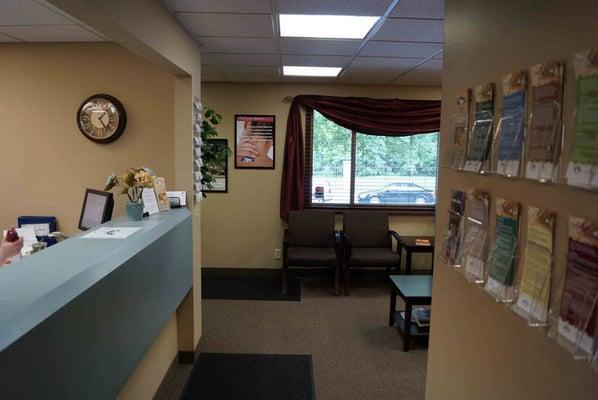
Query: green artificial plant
x=212, y=156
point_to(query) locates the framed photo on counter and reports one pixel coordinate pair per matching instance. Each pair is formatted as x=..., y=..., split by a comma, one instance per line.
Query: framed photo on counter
x=254, y=141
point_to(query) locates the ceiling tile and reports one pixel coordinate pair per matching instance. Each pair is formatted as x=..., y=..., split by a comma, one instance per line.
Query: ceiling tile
x=420, y=77
x=385, y=62
x=29, y=12
x=50, y=33
x=238, y=45
x=336, y=7
x=419, y=9
x=400, y=49
x=219, y=6
x=240, y=59
x=316, y=61
x=319, y=46
x=251, y=74
x=7, y=39
x=411, y=30
x=211, y=74
x=241, y=25
x=368, y=76
x=434, y=64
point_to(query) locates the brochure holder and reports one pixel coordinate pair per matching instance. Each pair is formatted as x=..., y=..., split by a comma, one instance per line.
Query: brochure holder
x=475, y=244
x=507, y=156
x=451, y=243
x=474, y=252
x=534, y=304
x=547, y=140
x=573, y=336
x=460, y=136
x=580, y=174
x=478, y=143
x=502, y=292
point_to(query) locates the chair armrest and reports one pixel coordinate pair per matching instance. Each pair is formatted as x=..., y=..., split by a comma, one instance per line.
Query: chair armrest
x=286, y=240
x=398, y=238
x=338, y=238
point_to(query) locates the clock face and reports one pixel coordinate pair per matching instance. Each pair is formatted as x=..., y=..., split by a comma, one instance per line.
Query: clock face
x=101, y=118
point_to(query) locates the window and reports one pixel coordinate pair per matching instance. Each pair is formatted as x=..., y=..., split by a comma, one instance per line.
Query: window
x=352, y=169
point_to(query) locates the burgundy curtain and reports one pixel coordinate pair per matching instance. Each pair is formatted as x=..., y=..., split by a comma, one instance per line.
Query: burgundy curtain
x=391, y=117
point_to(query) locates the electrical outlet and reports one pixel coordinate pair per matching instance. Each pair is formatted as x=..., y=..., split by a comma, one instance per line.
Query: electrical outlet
x=277, y=254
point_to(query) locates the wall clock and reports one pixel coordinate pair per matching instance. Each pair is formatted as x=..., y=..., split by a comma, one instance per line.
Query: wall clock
x=101, y=118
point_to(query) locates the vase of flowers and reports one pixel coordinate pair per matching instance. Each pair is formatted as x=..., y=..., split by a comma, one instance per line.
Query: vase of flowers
x=131, y=184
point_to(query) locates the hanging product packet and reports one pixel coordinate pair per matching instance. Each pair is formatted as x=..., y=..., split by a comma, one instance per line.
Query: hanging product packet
x=480, y=137
x=452, y=239
x=460, y=125
x=583, y=165
x=577, y=320
x=511, y=127
x=475, y=245
x=534, y=288
x=502, y=263
x=544, y=138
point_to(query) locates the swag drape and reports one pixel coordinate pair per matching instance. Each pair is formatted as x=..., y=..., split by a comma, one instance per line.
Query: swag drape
x=390, y=117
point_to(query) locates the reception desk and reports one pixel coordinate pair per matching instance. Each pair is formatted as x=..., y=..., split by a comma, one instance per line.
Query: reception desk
x=76, y=318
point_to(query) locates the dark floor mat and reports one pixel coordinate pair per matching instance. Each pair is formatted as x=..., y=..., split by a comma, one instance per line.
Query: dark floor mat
x=220, y=376
x=227, y=287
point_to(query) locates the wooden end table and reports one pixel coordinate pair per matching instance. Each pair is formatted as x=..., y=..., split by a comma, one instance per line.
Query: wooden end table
x=410, y=248
x=415, y=290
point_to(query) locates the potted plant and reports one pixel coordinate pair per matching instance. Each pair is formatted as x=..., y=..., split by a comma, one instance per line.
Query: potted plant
x=213, y=157
x=132, y=183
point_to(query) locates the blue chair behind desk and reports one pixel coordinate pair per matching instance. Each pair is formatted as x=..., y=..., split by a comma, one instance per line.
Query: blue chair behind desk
x=43, y=227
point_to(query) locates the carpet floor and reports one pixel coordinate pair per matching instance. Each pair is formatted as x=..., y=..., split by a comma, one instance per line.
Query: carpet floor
x=355, y=354
x=223, y=376
x=219, y=287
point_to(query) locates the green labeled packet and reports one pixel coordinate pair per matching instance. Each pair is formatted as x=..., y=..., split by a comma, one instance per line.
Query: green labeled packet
x=581, y=170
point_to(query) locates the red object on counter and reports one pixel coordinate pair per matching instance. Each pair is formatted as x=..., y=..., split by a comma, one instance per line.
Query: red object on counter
x=12, y=235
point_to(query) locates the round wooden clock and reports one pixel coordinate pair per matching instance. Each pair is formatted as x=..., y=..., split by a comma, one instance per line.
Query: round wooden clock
x=101, y=118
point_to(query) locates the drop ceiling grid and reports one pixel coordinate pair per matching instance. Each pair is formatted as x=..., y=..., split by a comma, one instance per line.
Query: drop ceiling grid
x=39, y=21
x=246, y=34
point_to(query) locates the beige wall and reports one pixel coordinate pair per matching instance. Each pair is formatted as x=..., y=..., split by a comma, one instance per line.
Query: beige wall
x=45, y=162
x=479, y=349
x=242, y=228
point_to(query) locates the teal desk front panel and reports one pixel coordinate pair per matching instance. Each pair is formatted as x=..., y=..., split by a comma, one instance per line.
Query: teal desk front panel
x=76, y=319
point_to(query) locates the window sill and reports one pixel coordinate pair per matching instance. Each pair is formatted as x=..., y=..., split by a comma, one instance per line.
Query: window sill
x=392, y=210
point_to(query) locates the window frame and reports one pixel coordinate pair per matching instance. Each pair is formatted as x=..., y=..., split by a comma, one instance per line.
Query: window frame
x=425, y=210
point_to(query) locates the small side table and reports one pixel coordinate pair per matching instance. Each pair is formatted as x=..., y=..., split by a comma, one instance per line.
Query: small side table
x=415, y=290
x=410, y=248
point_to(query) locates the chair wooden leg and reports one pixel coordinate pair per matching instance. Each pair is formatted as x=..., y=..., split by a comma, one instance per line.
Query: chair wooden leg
x=347, y=280
x=336, y=279
x=285, y=279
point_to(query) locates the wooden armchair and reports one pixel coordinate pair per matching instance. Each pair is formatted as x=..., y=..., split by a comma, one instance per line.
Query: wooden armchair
x=311, y=241
x=368, y=243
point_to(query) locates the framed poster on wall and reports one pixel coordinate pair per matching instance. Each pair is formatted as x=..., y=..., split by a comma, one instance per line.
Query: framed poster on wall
x=254, y=141
x=219, y=168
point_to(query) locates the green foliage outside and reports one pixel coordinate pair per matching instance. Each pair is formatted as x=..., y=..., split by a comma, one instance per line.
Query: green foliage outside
x=375, y=155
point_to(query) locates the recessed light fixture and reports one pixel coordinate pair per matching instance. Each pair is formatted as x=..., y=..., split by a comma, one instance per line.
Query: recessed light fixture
x=310, y=71
x=325, y=26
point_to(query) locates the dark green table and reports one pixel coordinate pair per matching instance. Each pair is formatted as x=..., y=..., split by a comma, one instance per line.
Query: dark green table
x=410, y=248
x=414, y=290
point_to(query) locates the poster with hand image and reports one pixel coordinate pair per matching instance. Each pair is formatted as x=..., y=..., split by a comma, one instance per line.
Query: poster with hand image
x=254, y=141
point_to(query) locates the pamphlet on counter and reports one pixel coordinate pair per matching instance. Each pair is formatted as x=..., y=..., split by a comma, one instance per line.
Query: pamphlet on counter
x=110, y=233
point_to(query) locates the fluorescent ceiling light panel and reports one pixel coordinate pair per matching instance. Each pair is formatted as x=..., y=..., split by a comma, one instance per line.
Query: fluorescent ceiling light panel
x=310, y=71
x=325, y=26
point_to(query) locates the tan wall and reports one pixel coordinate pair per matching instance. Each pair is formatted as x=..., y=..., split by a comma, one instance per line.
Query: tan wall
x=242, y=227
x=479, y=349
x=45, y=162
